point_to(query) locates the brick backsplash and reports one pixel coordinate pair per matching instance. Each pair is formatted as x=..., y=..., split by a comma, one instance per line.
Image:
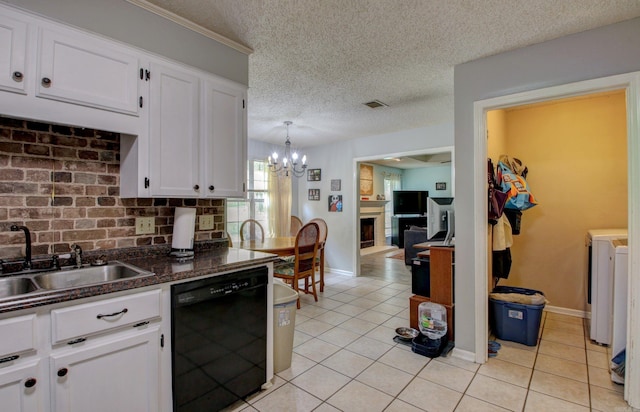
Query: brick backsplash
x=63, y=183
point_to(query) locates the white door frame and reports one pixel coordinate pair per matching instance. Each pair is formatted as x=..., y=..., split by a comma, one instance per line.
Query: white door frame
x=630, y=82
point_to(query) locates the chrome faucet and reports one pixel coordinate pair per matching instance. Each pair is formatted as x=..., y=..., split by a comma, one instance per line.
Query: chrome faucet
x=27, y=240
x=78, y=252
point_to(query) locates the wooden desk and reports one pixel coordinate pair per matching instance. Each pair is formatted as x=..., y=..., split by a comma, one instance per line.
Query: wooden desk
x=281, y=246
x=441, y=273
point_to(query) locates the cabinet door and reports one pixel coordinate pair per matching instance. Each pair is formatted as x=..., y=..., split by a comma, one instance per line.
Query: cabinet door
x=174, y=132
x=225, y=139
x=85, y=70
x=118, y=374
x=13, y=45
x=22, y=387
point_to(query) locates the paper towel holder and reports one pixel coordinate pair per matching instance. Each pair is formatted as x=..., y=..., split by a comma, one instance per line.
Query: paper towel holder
x=184, y=225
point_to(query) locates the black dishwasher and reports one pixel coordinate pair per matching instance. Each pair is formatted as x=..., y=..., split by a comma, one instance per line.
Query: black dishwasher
x=219, y=339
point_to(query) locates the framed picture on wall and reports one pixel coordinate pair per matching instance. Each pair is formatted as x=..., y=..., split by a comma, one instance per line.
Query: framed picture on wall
x=335, y=203
x=314, y=175
x=314, y=194
x=366, y=180
x=336, y=185
x=441, y=185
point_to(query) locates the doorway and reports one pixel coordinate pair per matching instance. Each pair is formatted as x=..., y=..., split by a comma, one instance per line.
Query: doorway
x=575, y=150
x=629, y=83
x=415, y=160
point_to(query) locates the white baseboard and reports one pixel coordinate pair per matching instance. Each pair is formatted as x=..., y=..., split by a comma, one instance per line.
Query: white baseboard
x=339, y=272
x=463, y=354
x=569, y=312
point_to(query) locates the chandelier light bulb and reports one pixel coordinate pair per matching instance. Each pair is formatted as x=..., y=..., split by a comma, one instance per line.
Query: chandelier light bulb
x=294, y=157
x=304, y=160
x=275, y=157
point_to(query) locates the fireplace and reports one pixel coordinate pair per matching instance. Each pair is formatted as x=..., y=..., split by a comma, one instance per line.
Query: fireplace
x=367, y=232
x=372, y=223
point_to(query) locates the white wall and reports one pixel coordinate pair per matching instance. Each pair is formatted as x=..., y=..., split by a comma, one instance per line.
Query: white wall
x=337, y=162
x=131, y=24
x=601, y=52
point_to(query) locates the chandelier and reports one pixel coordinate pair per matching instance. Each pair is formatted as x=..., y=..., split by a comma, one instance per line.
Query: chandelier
x=289, y=162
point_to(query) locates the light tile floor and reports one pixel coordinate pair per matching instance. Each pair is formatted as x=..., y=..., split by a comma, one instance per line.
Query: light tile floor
x=345, y=359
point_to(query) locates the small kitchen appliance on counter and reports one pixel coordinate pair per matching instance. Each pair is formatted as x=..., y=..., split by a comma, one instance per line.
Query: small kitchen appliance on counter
x=184, y=226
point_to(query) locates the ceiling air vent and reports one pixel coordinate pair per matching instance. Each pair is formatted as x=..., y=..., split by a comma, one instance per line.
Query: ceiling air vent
x=374, y=104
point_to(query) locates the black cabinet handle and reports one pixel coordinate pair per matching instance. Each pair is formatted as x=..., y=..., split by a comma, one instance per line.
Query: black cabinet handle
x=30, y=383
x=17, y=76
x=9, y=358
x=211, y=187
x=62, y=372
x=79, y=340
x=46, y=82
x=125, y=310
x=196, y=187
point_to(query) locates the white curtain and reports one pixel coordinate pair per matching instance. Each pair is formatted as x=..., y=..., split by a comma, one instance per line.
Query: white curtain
x=279, y=205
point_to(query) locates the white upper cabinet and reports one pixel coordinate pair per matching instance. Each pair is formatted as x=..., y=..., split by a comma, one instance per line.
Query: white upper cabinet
x=174, y=131
x=13, y=47
x=86, y=70
x=224, y=143
x=183, y=130
x=197, y=134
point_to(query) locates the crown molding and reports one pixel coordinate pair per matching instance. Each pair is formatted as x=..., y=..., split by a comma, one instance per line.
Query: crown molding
x=191, y=25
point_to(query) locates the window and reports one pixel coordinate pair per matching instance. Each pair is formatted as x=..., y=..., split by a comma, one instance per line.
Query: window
x=391, y=182
x=255, y=206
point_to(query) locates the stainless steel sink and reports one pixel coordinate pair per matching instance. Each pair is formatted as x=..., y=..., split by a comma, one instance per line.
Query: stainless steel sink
x=15, y=286
x=88, y=275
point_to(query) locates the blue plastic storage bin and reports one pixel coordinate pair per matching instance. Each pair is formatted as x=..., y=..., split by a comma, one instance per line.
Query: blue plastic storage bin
x=515, y=321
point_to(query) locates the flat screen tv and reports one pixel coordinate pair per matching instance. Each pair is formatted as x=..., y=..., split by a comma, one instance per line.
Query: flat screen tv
x=410, y=202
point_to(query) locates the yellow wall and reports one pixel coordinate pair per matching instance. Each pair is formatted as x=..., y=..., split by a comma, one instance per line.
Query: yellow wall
x=576, y=152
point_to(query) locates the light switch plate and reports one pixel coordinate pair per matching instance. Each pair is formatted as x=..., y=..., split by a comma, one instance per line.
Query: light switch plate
x=206, y=222
x=145, y=225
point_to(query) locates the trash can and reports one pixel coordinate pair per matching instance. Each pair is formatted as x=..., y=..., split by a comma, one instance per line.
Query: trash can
x=284, y=322
x=517, y=322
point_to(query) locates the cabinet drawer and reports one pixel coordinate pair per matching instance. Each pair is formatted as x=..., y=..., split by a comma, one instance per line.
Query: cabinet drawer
x=95, y=317
x=18, y=335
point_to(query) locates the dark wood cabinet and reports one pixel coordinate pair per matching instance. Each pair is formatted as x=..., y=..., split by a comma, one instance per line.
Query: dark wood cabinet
x=401, y=223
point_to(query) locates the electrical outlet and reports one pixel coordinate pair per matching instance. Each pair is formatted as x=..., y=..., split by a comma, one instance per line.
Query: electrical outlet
x=206, y=222
x=145, y=225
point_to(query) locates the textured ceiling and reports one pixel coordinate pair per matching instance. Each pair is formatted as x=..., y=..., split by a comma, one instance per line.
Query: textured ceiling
x=315, y=62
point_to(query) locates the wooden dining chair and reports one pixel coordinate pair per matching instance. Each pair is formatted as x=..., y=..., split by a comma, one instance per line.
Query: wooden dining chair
x=296, y=224
x=229, y=239
x=251, y=229
x=321, y=243
x=304, y=266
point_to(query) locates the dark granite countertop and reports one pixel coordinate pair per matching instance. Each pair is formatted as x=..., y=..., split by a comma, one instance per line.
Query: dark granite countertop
x=166, y=269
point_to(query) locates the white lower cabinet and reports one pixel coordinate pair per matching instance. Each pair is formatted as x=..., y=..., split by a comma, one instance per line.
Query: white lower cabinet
x=104, y=355
x=22, y=387
x=118, y=373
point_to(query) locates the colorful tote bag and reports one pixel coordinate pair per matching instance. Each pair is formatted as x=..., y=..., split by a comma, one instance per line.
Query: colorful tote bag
x=517, y=189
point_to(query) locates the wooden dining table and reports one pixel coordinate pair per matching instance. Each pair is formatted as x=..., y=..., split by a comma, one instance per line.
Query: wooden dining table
x=281, y=246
